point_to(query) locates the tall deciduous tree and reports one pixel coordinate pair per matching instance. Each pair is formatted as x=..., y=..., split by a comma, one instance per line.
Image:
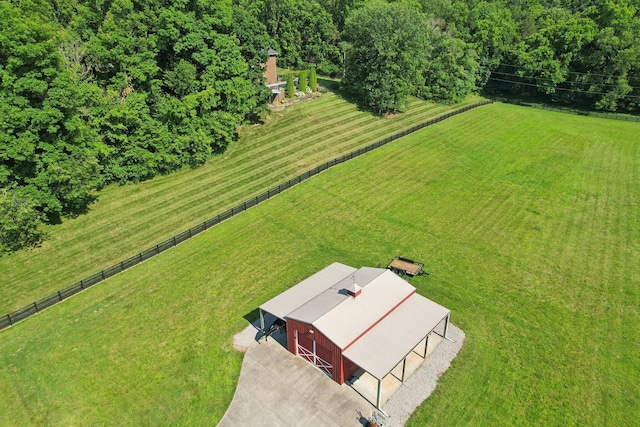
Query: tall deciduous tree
x=20, y=220
x=254, y=42
x=46, y=143
x=340, y=9
x=304, y=33
x=493, y=31
x=451, y=72
x=386, y=48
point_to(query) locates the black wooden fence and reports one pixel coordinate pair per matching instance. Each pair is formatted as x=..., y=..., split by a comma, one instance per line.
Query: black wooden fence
x=568, y=110
x=35, y=307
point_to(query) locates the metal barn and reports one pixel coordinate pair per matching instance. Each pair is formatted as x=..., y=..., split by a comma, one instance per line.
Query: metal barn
x=344, y=319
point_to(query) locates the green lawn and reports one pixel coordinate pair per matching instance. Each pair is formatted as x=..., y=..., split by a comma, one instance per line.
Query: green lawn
x=527, y=220
x=127, y=220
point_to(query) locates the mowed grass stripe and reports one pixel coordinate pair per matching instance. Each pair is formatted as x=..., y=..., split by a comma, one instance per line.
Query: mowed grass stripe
x=562, y=267
x=287, y=149
x=545, y=286
x=232, y=160
x=272, y=170
x=94, y=236
x=180, y=208
x=126, y=220
x=330, y=131
x=187, y=218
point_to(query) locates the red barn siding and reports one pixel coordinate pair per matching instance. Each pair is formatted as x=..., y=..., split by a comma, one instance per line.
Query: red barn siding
x=325, y=348
x=349, y=368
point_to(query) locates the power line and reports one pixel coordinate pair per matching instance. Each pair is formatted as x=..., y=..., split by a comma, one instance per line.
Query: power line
x=570, y=72
x=561, y=88
x=569, y=81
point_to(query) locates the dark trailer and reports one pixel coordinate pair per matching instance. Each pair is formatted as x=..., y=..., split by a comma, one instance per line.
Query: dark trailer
x=406, y=267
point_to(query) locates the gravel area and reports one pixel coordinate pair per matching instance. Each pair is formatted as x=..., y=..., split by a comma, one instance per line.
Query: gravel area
x=247, y=337
x=423, y=381
x=415, y=390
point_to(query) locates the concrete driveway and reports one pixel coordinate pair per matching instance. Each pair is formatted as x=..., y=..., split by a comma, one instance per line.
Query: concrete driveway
x=277, y=388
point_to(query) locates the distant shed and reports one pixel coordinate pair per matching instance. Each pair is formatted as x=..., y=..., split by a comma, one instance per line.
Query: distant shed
x=343, y=319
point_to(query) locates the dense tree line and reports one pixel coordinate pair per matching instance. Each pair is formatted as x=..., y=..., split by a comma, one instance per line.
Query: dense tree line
x=580, y=53
x=118, y=91
x=95, y=92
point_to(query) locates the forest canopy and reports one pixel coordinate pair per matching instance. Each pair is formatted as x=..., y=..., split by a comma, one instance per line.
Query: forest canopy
x=99, y=92
x=580, y=53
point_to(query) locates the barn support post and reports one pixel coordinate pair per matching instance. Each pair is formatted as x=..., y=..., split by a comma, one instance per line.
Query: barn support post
x=295, y=341
x=446, y=328
x=261, y=321
x=426, y=346
x=379, y=398
x=315, y=358
x=404, y=366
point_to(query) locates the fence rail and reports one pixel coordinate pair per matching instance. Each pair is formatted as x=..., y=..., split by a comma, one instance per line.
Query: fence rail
x=566, y=109
x=37, y=306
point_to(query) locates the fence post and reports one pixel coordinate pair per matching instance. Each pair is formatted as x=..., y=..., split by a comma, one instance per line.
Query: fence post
x=82, y=284
x=10, y=321
x=35, y=304
x=60, y=295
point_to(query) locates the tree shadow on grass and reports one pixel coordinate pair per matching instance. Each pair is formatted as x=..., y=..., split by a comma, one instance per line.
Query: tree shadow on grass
x=335, y=87
x=81, y=207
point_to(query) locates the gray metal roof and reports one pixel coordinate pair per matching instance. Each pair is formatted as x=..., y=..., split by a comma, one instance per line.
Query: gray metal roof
x=323, y=304
x=352, y=317
x=390, y=341
x=318, y=306
x=300, y=294
x=271, y=52
x=362, y=277
x=377, y=329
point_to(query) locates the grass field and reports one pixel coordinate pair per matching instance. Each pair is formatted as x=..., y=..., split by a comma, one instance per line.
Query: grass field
x=528, y=221
x=127, y=220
